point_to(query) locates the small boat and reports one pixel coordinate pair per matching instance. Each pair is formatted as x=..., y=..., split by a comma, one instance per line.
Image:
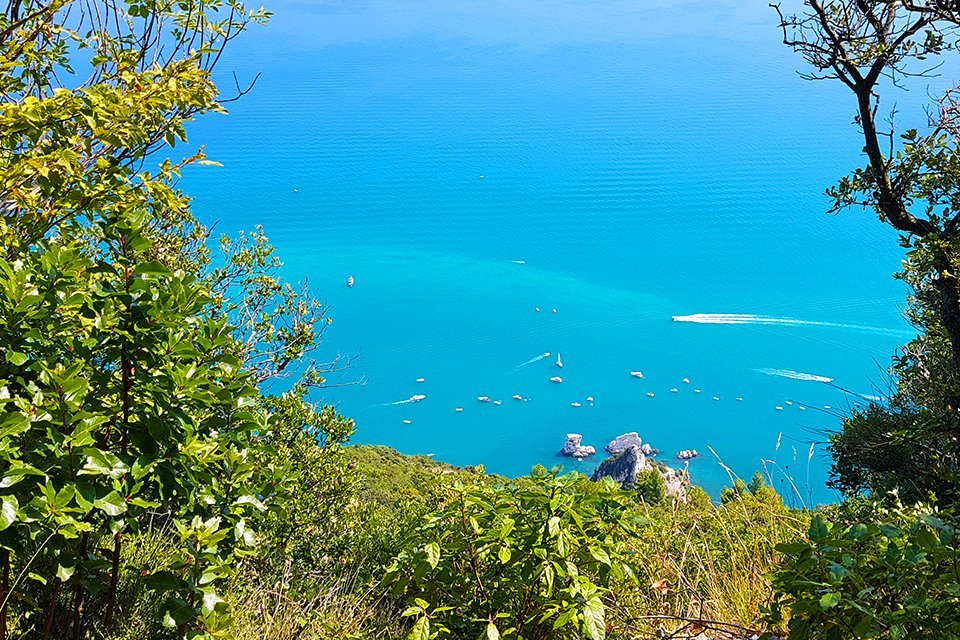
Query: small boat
x=497, y=402
x=458, y=409
x=716, y=398
x=740, y=399
x=575, y=404
x=637, y=374
x=779, y=408
x=421, y=379
x=686, y=381
x=649, y=394
x=826, y=406
x=417, y=398
x=674, y=390
x=554, y=309
x=590, y=399
x=696, y=390
x=407, y=422
x=519, y=262
x=557, y=379
x=789, y=401
x=559, y=362
x=483, y=398
x=350, y=281
x=802, y=408
x=517, y=396
x=537, y=309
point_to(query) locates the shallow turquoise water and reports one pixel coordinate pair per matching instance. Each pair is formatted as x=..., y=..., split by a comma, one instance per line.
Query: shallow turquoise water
x=642, y=166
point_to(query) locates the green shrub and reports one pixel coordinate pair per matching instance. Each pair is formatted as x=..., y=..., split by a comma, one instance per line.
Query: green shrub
x=531, y=559
x=895, y=576
x=650, y=486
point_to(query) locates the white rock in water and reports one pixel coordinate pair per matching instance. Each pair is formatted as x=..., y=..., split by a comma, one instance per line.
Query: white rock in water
x=623, y=442
x=687, y=454
x=573, y=447
x=647, y=450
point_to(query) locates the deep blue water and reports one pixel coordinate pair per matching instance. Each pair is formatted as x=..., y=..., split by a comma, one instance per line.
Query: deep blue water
x=644, y=159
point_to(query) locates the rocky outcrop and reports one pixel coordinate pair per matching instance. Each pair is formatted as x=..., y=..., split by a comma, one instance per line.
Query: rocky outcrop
x=573, y=447
x=647, y=450
x=688, y=454
x=623, y=468
x=623, y=442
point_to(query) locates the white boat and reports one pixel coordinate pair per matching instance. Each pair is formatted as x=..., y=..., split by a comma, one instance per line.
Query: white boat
x=686, y=380
x=575, y=404
x=497, y=402
x=417, y=398
x=458, y=409
x=649, y=394
x=590, y=399
x=637, y=374
x=350, y=281
x=674, y=390
x=557, y=379
x=559, y=361
x=517, y=396
x=407, y=422
x=421, y=379
x=483, y=398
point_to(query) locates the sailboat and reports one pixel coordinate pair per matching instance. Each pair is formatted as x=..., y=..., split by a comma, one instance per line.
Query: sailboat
x=559, y=362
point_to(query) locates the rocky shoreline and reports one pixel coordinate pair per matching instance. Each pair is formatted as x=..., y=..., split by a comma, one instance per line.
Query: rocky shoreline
x=630, y=456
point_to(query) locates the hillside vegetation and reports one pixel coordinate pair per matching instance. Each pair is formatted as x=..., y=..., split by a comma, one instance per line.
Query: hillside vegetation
x=164, y=473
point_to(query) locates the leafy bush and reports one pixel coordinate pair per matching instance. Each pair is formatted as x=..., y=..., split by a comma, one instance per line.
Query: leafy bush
x=650, y=486
x=893, y=576
x=532, y=558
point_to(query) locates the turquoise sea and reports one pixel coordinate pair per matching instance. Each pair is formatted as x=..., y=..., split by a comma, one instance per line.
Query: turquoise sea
x=642, y=160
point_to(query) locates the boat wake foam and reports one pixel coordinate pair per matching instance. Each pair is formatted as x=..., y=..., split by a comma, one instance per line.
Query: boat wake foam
x=532, y=360
x=795, y=375
x=749, y=318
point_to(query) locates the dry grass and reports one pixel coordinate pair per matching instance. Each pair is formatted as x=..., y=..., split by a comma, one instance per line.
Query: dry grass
x=338, y=612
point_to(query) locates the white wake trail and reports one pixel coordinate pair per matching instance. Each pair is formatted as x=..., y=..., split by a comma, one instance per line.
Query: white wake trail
x=532, y=360
x=749, y=318
x=795, y=375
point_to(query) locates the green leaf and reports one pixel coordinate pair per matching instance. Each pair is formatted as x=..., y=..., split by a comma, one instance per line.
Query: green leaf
x=64, y=573
x=492, y=632
x=103, y=463
x=8, y=511
x=818, y=529
x=594, y=627
x=432, y=551
x=504, y=555
x=16, y=358
x=829, y=600
x=112, y=504
x=420, y=630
